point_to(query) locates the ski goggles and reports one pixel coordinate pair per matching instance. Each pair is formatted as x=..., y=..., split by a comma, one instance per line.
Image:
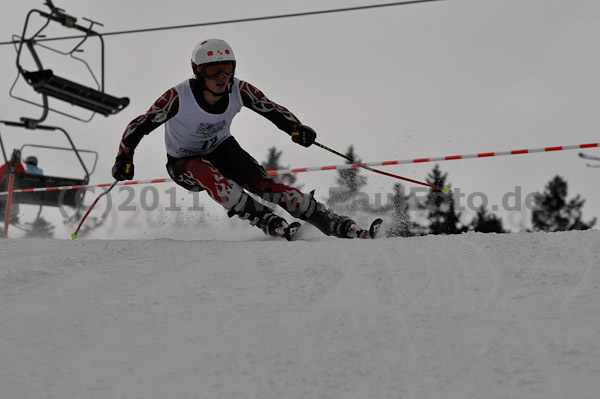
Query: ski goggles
x=212, y=71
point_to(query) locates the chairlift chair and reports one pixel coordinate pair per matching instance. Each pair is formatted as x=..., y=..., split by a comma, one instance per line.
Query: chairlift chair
x=48, y=84
x=55, y=198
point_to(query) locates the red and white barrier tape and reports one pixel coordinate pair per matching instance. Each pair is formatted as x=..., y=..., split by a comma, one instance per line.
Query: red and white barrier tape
x=438, y=159
x=342, y=167
x=60, y=188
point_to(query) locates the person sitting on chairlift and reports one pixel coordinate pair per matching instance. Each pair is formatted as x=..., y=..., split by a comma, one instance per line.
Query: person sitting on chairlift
x=31, y=166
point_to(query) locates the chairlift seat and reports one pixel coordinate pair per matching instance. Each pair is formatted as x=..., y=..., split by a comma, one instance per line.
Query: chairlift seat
x=45, y=82
x=71, y=198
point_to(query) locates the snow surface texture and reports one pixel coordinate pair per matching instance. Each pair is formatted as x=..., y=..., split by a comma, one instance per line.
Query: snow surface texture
x=469, y=316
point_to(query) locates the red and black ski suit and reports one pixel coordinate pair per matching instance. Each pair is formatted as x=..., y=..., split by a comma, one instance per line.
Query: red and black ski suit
x=203, y=155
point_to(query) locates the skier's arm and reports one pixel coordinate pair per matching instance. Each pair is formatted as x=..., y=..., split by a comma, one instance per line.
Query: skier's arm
x=255, y=99
x=162, y=110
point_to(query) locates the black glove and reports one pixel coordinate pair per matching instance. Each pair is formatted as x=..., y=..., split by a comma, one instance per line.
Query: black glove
x=303, y=135
x=123, y=167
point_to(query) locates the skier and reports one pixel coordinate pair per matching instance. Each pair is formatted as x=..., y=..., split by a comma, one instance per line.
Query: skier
x=203, y=155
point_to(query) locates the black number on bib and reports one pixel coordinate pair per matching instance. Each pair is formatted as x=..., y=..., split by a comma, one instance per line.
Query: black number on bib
x=209, y=144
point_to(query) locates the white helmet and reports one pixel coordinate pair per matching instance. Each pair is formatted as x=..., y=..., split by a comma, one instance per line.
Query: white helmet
x=212, y=50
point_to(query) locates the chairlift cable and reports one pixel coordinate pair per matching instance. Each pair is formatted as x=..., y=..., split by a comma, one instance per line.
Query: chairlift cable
x=240, y=20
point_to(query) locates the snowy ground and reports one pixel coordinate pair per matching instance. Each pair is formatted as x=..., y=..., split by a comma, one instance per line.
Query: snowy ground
x=470, y=316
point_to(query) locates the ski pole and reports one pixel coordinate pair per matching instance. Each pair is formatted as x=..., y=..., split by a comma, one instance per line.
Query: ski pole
x=445, y=189
x=74, y=235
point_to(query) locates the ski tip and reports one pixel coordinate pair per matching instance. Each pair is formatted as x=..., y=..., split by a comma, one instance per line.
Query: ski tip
x=375, y=226
x=291, y=230
x=74, y=236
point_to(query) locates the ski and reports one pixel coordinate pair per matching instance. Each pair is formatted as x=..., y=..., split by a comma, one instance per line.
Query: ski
x=374, y=228
x=372, y=232
x=291, y=230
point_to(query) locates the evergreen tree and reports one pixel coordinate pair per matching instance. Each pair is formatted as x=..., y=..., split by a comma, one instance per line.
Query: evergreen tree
x=401, y=223
x=40, y=228
x=349, y=181
x=272, y=163
x=486, y=222
x=552, y=211
x=443, y=218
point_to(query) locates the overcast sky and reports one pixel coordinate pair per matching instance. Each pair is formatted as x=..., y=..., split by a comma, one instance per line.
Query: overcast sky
x=442, y=78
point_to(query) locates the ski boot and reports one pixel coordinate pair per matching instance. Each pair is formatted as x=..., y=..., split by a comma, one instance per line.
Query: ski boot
x=332, y=224
x=263, y=217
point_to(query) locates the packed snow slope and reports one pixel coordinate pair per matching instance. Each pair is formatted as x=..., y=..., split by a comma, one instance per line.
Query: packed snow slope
x=468, y=316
